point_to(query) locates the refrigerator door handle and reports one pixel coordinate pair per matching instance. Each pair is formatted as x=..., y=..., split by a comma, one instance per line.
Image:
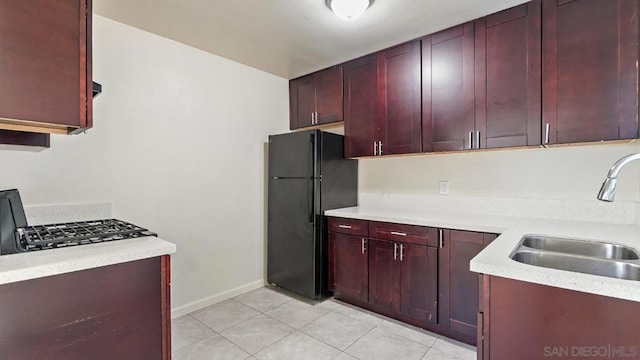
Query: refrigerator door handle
x=311, y=180
x=310, y=199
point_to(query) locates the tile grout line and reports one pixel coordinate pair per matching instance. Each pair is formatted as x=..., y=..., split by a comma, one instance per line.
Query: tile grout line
x=260, y=313
x=329, y=310
x=365, y=334
x=270, y=317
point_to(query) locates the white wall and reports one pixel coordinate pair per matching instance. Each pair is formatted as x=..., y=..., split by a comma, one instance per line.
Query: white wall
x=574, y=172
x=178, y=147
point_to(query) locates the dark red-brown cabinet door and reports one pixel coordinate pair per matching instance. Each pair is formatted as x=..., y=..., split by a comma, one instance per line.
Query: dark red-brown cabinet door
x=302, y=101
x=590, y=75
x=329, y=95
x=360, y=106
x=45, y=66
x=399, y=97
x=448, y=89
x=384, y=274
x=419, y=282
x=458, y=285
x=104, y=313
x=509, y=77
x=350, y=268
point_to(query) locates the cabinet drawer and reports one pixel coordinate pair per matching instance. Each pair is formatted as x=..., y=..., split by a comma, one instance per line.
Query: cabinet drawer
x=411, y=234
x=348, y=226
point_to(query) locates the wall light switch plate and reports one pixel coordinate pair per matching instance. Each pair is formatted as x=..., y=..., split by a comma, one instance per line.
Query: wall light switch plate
x=444, y=188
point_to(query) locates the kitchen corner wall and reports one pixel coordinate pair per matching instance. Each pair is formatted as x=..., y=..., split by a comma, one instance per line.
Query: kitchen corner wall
x=178, y=147
x=571, y=173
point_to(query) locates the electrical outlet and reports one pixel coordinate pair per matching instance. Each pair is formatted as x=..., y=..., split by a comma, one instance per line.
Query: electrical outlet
x=444, y=188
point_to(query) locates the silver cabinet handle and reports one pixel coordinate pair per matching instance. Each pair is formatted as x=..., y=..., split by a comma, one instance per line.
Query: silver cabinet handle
x=398, y=233
x=364, y=245
x=441, y=238
x=344, y=226
x=401, y=252
x=470, y=139
x=477, y=139
x=379, y=147
x=395, y=251
x=375, y=148
x=312, y=119
x=316, y=118
x=547, y=130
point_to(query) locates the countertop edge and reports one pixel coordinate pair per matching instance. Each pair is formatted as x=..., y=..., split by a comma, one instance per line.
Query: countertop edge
x=28, y=266
x=477, y=223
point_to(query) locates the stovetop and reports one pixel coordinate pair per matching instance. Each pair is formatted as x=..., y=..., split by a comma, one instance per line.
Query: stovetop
x=42, y=237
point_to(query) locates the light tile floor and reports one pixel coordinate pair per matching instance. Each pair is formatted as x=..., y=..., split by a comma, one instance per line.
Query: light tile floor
x=267, y=324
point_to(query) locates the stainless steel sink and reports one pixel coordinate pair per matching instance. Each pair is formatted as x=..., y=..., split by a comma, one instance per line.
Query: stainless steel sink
x=580, y=247
x=582, y=256
x=581, y=264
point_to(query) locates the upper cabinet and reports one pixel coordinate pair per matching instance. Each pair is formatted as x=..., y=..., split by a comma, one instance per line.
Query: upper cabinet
x=382, y=102
x=508, y=78
x=590, y=79
x=316, y=99
x=448, y=90
x=361, y=107
x=544, y=72
x=399, y=124
x=46, y=66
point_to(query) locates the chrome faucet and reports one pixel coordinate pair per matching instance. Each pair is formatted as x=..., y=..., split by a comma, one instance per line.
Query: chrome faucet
x=608, y=189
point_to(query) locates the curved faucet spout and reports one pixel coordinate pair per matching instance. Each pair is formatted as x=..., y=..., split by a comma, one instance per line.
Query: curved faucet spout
x=608, y=189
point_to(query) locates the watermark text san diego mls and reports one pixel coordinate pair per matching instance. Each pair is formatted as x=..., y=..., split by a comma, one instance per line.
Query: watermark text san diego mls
x=600, y=351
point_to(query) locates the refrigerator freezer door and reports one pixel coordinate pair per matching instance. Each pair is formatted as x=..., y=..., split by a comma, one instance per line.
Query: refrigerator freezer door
x=292, y=155
x=291, y=244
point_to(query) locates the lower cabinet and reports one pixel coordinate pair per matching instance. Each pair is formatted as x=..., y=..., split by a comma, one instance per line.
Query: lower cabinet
x=119, y=311
x=557, y=324
x=384, y=275
x=418, y=280
x=349, y=268
x=458, y=290
x=419, y=275
x=403, y=279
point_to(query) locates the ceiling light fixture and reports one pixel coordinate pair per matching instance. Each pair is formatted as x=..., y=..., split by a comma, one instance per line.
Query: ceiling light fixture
x=348, y=9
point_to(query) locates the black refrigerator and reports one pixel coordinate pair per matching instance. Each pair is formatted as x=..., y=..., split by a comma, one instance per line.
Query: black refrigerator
x=308, y=174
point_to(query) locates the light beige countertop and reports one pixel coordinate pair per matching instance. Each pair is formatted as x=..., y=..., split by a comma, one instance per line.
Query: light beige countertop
x=495, y=259
x=470, y=222
x=37, y=264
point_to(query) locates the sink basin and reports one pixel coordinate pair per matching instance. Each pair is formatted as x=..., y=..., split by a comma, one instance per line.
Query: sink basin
x=580, y=247
x=576, y=263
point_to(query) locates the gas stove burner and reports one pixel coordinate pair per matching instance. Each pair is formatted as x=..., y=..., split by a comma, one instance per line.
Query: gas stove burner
x=42, y=237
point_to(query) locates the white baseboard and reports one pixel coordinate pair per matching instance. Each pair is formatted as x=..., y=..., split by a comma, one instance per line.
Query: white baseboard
x=214, y=299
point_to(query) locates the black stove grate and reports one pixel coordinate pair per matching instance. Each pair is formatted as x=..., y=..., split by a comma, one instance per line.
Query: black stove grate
x=52, y=236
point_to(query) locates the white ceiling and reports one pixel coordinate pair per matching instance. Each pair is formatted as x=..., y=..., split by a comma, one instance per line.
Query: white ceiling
x=290, y=38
